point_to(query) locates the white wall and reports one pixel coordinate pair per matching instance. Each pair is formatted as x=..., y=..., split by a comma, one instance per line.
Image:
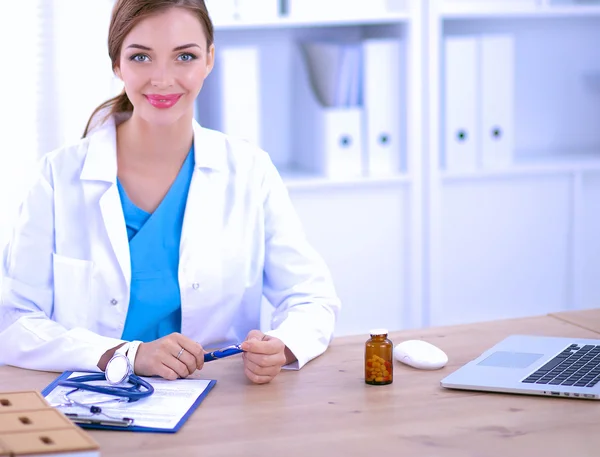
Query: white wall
x=55, y=71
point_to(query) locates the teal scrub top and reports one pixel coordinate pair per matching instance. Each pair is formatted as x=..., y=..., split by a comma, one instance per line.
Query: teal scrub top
x=155, y=303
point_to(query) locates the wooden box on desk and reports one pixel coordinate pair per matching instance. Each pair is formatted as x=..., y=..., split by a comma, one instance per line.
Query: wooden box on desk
x=33, y=421
x=67, y=442
x=21, y=401
x=29, y=426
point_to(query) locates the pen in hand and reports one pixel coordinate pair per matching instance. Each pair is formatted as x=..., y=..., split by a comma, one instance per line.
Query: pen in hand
x=223, y=352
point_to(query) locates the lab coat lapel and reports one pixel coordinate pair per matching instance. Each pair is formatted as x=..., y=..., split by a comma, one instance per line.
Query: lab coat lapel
x=114, y=221
x=205, y=213
x=99, y=176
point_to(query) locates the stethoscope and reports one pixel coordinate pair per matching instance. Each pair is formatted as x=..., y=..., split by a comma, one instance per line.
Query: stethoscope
x=123, y=386
x=138, y=389
x=118, y=374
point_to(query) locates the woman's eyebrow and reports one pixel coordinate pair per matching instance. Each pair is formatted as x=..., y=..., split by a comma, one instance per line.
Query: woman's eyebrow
x=177, y=48
x=139, y=46
x=185, y=46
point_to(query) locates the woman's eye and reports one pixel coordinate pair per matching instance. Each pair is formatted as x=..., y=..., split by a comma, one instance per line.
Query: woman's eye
x=186, y=57
x=139, y=58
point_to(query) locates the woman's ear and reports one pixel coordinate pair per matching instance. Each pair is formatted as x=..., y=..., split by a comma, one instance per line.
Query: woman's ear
x=210, y=59
x=117, y=72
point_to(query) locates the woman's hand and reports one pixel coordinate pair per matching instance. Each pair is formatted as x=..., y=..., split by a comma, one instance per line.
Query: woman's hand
x=160, y=357
x=264, y=356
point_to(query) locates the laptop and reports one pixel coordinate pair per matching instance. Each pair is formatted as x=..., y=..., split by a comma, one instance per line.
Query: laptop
x=534, y=365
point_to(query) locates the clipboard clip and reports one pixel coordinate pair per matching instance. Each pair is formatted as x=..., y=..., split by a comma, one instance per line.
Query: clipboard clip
x=113, y=421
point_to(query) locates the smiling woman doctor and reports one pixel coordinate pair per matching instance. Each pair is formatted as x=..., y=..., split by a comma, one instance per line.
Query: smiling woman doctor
x=156, y=236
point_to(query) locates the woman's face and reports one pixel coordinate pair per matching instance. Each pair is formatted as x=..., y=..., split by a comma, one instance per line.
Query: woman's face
x=164, y=61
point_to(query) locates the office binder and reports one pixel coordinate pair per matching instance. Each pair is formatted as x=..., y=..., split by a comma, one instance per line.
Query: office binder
x=227, y=11
x=239, y=90
x=461, y=133
x=323, y=66
x=382, y=105
x=221, y=11
x=343, y=9
x=497, y=100
x=329, y=139
x=257, y=10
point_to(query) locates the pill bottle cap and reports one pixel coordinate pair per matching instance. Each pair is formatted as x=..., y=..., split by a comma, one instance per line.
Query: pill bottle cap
x=378, y=332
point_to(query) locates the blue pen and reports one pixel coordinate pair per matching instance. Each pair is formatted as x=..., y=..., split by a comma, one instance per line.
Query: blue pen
x=223, y=352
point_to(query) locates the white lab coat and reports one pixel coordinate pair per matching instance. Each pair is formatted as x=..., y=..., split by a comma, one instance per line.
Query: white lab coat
x=67, y=271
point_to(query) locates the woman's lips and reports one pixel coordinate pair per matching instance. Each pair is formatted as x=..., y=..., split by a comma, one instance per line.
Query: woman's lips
x=163, y=101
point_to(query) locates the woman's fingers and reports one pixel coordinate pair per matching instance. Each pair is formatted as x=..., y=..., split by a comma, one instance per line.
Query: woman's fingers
x=255, y=378
x=185, y=357
x=264, y=360
x=167, y=373
x=191, y=347
x=177, y=366
x=263, y=357
x=189, y=361
x=266, y=352
x=261, y=370
x=160, y=357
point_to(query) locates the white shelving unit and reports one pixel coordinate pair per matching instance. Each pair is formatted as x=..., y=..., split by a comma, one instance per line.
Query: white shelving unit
x=432, y=245
x=520, y=239
x=284, y=22
x=367, y=228
x=475, y=9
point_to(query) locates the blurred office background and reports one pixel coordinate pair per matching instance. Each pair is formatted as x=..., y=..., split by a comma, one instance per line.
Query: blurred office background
x=443, y=155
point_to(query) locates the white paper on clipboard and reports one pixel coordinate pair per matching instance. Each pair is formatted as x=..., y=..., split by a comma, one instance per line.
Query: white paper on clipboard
x=165, y=410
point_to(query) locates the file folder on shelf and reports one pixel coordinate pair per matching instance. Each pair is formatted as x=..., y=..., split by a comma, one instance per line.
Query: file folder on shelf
x=257, y=10
x=239, y=91
x=497, y=100
x=227, y=11
x=461, y=134
x=221, y=11
x=382, y=104
x=344, y=9
x=329, y=140
x=479, y=102
x=489, y=6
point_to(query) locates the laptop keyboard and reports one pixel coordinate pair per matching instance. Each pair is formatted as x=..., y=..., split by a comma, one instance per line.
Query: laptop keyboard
x=577, y=366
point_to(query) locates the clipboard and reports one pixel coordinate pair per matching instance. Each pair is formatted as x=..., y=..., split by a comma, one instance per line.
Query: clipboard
x=191, y=391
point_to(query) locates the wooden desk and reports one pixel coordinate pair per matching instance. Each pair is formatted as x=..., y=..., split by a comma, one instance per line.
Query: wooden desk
x=588, y=319
x=326, y=409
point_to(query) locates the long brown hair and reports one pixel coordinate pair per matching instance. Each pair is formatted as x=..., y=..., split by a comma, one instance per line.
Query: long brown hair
x=126, y=14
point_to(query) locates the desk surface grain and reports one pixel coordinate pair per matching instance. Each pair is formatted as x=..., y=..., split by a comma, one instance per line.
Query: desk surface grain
x=588, y=319
x=326, y=408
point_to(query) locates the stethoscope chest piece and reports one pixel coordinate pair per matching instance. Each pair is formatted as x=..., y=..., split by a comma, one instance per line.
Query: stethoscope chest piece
x=118, y=370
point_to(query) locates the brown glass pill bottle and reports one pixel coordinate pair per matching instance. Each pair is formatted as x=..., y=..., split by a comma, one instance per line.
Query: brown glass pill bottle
x=379, y=350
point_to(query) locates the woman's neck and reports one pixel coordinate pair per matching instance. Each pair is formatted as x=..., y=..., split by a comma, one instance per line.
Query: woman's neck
x=138, y=141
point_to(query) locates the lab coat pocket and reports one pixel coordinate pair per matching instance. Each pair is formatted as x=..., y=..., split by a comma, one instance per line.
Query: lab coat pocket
x=72, y=291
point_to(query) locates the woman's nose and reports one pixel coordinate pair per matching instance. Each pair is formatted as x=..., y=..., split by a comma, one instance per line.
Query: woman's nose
x=162, y=77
